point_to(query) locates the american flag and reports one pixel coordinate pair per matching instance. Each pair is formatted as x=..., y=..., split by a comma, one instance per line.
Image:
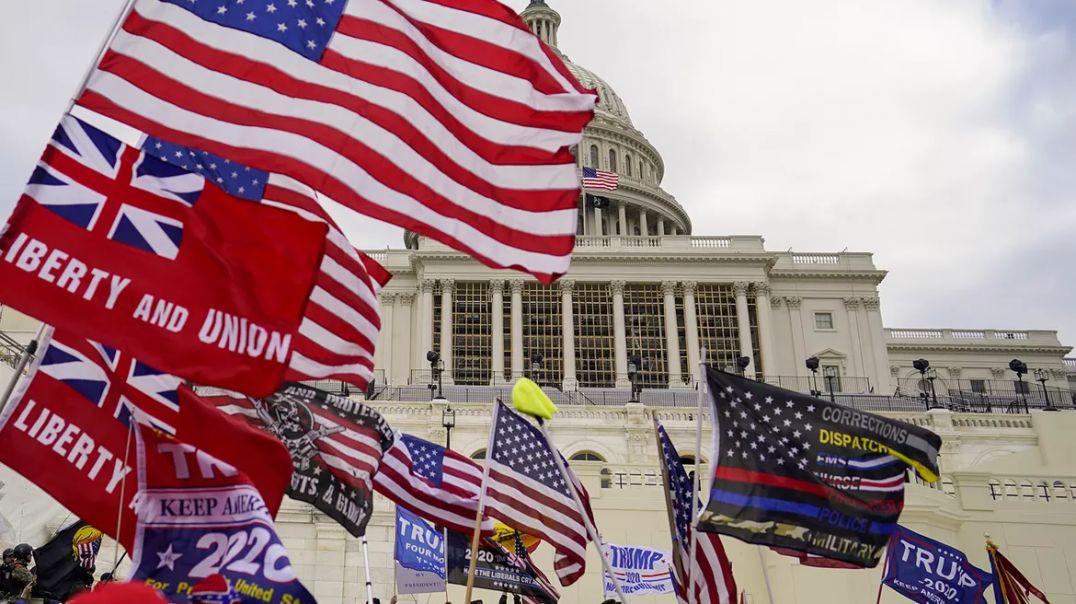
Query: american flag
x=113, y=381
x=450, y=120
x=438, y=485
x=528, y=492
x=339, y=329
x=711, y=574
x=600, y=179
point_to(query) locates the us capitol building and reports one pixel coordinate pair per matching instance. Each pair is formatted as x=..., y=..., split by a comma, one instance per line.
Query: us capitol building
x=617, y=341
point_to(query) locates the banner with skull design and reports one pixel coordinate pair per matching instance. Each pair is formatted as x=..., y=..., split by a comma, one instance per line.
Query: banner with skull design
x=336, y=446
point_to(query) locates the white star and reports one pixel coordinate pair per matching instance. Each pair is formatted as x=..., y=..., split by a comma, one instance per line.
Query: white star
x=806, y=446
x=748, y=395
x=810, y=408
x=158, y=145
x=781, y=461
x=769, y=399
x=221, y=10
x=251, y=16
x=808, y=427
x=328, y=1
x=796, y=434
x=765, y=418
x=320, y=21
x=242, y=189
x=788, y=422
x=212, y=166
x=758, y=407
x=788, y=404
x=292, y=3
x=311, y=44
x=301, y=23
x=179, y=154
x=271, y=8
x=168, y=558
x=281, y=27
x=799, y=415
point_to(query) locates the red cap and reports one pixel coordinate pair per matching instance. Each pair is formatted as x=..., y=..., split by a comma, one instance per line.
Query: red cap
x=215, y=589
x=129, y=593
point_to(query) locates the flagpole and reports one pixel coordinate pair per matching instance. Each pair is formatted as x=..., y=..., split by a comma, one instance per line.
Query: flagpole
x=366, y=565
x=765, y=574
x=481, y=509
x=703, y=388
x=132, y=419
x=20, y=366
x=593, y=532
x=101, y=51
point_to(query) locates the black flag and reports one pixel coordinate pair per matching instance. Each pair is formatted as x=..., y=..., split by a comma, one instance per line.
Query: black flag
x=794, y=471
x=65, y=564
x=498, y=569
x=336, y=446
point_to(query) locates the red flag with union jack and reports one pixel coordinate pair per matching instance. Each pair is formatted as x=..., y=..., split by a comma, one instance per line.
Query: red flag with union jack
x=145, y=256
x=68, y=428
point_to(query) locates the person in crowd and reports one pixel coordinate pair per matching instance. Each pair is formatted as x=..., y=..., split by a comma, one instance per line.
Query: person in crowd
x=18, y=580
x=5, y=569
x=214, y=589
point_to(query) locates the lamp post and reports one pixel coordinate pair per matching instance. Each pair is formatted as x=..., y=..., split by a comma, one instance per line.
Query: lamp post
x=1041, y=376
x=448, y=421
x=932, y=375
x=830, y=373
x=1020, y=368
x=741, y=364
x=922, y=365
x=437, y=367
x=812, y=364
x=634, y=365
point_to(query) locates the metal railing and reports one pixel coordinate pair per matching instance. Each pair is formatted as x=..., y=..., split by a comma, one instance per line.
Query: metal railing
x=985, y=390
x=10, y=350
x=804, y=384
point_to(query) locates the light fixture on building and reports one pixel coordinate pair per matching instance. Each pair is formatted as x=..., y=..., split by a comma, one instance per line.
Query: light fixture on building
x=812, y=364
x=1020, y=368
x=1042, y=376
x=830, y=373
x=635, y=365
x=932, y=374
x=437, y=367
x=741, y=364
x=448, y=421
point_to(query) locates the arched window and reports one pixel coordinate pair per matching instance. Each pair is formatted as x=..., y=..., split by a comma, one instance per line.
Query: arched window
x=479, y=454
x=1027, y=490
x=1043, y=489
x=612, y=160
x=586, y=456
x=594, y=156
x=1010, y=489
x=627, y=163
x=642, y=172
x=995, y=489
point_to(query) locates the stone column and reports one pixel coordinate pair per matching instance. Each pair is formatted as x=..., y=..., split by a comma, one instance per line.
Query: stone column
x=743, y=321
x=765, y=329
x=598, y=222
x=388, y=313
x=672, y=338
x=517, y=328
x=644, y=228
x=661, y=226
x=446, y=328
x=691, y=326
x=799, y=343
x=858, y=366
x=567, y=326
x=620, y=340
x=496, y=288
x=426, y=329
x=876, y=332
x=401, y=335
x=622, y=214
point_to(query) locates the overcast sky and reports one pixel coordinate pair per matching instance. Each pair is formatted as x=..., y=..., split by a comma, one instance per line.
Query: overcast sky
x=940, y=135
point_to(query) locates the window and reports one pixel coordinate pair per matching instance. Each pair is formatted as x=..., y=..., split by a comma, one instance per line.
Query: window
x=594, y=156
x=592, y=306
x=612, y=160
x=479, y=454
x=719, y=335
x=542, y=333
x=627, y=164
x=586, y=456
x=642, y=173
x=472, y=343
x=644, y=322
x=978, y=386
x=823, y=321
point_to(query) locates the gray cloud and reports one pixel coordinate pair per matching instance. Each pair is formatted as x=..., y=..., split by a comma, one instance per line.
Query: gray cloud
x=940, y=136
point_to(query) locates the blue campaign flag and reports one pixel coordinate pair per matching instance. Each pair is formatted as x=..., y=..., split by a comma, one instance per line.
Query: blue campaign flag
x=926, y=571
x=419, y=546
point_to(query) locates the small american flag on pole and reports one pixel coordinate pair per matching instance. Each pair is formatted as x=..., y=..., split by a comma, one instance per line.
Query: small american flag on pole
x=450, y=119
x=710, y=577
x=600, y=179
x=438, y=485
x=527, y=491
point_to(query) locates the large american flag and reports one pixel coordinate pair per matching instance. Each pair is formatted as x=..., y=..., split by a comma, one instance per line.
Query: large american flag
x=710, y=576
x=441, y=486
x=449, y=119
x=528, y=492
x=600, y=179
x=339, y=329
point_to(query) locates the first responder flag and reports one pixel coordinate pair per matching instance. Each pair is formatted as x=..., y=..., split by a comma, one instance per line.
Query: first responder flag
x=794, y=471
x=137, y=253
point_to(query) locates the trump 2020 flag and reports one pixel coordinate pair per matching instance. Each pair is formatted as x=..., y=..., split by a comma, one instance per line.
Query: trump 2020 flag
x=199, y=516
x=794, y=471
x=121, y=247
x=449, y=119
x=927, y=571
x=420, y=554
